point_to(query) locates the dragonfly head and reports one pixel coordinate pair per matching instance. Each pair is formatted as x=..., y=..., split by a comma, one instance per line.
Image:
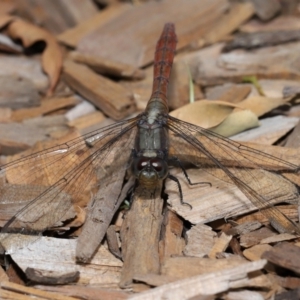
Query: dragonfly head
x=150, y=170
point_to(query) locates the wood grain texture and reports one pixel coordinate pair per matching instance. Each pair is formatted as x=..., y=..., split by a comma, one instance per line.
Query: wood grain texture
x=140, y=235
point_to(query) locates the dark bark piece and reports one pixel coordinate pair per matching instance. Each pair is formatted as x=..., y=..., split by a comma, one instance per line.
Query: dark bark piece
x=262, y=39
x=3, y=275
x=286, y=282
x=244, y=228
x=293, y=140
x=254, y=238
x=290, y=91
x=236, y=247
x=140, y=235
x=107, y=95
x=12, y=147
x=290, y=295
x=100, y=213
x=112, y=241
x=289, y=7
x=48, y=277
x=285, y=255
x=254, y=253
x=14, y=274
x=266, y=9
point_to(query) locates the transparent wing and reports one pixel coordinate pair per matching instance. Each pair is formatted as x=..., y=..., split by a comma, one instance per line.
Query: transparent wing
x=47, y=183
x=252, y=171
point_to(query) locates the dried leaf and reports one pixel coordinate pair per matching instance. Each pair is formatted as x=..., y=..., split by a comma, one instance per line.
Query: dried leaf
x=30, y=34
x=219, y=116
x=261, y=105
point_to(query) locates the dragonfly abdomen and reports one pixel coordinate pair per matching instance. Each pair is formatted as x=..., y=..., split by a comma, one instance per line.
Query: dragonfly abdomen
x=163, y=61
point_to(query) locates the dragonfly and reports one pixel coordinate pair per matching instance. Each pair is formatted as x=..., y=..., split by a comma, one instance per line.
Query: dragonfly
x=146, y=146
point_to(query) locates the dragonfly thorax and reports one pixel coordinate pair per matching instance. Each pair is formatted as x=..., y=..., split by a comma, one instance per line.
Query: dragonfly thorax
x=154, y=109
x=149, y=170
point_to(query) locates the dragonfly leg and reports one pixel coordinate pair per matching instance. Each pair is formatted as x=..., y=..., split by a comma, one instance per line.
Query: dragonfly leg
x=177, y=160
x=127, y=203
x=131, y=192
x=180, y=190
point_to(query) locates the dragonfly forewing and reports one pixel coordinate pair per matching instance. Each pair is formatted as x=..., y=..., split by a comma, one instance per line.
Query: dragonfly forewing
x=255, y=173
x=76, y=166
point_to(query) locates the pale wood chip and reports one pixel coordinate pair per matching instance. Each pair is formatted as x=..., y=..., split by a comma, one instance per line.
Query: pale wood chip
x=221, y=200
x=203, y=285
x=220, y=245
x=278, y=238
x=245, y=295
x=255, y=252
x=58, y=255
x=23, y=67
x=200, y=240
x=183, y=267
x=210, y=67
x=269, y=131
x=17, y=92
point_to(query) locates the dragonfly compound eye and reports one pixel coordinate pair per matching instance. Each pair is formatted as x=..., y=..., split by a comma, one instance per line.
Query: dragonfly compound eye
x=142, y=163
x=139, y=164
x=160, y=166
